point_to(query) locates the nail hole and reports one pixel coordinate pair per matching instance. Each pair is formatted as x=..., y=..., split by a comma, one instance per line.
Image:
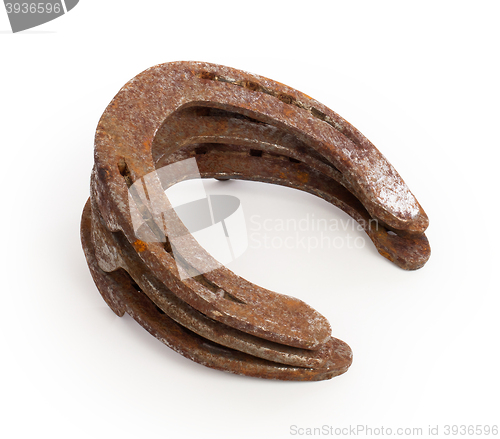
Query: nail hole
x=207, y=75
x=201, y=150
x=293, y=160
x=390, y=232
x=206, y=283
x=251, y=85
x=287, y=99
x=123, y=168
x=318, y=114
x=124, y=171
x=229, y=296
x=202, y=111
x=167, y=246
x=256, y=152
x=216, y=289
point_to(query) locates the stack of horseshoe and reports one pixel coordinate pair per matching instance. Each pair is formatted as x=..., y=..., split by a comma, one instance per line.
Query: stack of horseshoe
x=232, y=125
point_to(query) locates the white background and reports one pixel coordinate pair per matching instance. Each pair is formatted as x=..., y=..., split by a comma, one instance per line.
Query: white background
x=419, y=79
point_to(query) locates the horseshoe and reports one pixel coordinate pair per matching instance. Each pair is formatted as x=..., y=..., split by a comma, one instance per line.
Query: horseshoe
x=229, y=124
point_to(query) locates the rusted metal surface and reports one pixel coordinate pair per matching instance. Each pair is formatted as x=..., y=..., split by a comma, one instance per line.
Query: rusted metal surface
x=241, y=126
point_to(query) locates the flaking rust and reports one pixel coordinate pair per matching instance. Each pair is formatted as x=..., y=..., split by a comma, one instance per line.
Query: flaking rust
x=236, y=126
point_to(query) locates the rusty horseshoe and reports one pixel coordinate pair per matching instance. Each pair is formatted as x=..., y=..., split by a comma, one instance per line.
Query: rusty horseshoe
x=184, y=120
